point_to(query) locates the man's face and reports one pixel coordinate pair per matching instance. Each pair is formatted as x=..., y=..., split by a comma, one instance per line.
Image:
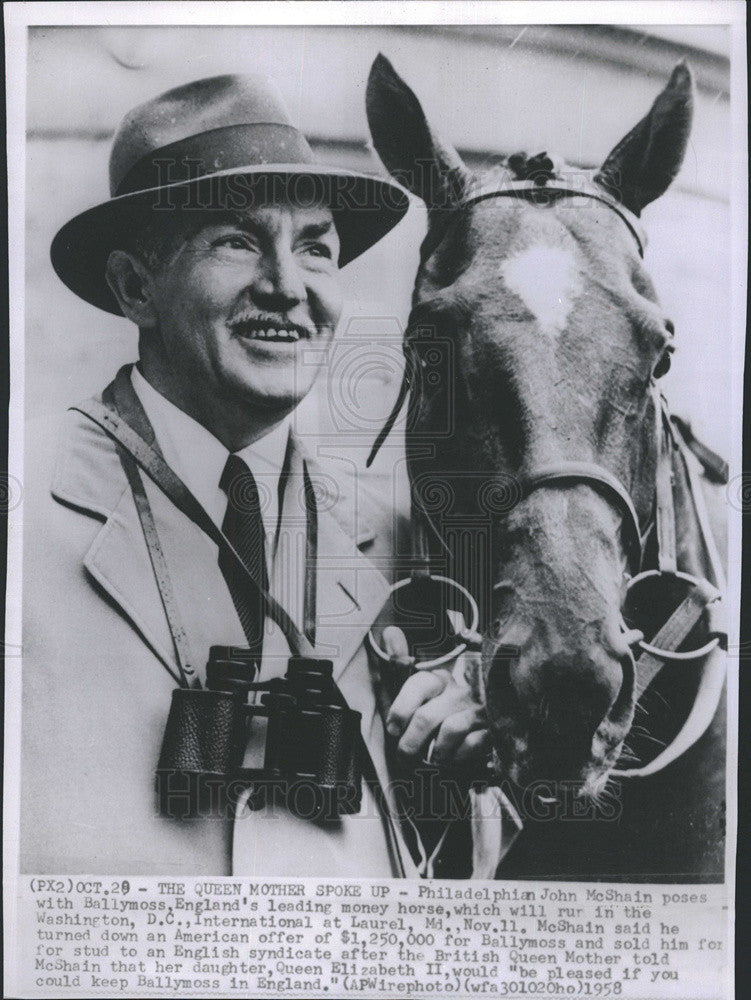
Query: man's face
x=243, y=297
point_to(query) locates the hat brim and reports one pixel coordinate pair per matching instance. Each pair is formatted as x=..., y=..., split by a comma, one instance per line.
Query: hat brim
x=365, y=209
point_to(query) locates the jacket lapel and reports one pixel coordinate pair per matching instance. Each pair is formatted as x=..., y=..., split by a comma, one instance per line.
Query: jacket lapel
x=89, y=477
x=350, y=589
x=119, y=562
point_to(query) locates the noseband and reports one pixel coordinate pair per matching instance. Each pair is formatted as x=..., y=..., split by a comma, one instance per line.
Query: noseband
x=601, y=481
x=702, y=595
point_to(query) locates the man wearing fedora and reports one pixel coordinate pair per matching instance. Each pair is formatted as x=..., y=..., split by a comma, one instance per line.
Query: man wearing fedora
x=222, y=242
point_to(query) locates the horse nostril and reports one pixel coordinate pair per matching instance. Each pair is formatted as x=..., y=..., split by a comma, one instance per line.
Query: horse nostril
x=578, y=690
x=559, y=705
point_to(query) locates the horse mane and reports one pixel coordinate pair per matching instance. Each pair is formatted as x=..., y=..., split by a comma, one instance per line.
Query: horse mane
x=539, y=168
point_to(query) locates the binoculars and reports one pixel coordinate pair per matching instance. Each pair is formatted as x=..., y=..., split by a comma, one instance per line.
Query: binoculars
x=312, y=756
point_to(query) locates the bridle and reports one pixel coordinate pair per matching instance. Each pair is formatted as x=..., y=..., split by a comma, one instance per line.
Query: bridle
x=527, y=191
x=702, y=599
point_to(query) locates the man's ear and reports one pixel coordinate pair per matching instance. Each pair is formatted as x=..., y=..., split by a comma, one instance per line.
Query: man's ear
x=410, y=150
x=643, y=164
x=130, y=281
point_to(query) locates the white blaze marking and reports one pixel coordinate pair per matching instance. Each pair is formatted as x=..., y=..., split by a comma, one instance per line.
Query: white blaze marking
x=547, y=281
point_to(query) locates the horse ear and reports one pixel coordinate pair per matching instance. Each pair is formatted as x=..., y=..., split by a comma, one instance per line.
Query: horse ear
x=410, y=150
x=645, y=162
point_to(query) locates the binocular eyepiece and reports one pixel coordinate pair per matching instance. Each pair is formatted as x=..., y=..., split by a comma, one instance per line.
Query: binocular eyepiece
x=312, y=747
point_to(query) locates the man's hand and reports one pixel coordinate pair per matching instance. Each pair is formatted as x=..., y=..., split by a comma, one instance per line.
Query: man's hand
x=436, y=705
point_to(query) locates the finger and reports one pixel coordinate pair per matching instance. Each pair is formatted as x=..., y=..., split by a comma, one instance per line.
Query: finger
x=471, y=637
x=456, y=620
x=454, y=730
x=631, y=636
x=466, y=672
x=395, y=643
x=425, y=722
x=420, y=687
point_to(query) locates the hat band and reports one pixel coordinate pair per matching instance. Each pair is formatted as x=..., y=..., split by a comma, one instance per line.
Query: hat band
x=227, y=148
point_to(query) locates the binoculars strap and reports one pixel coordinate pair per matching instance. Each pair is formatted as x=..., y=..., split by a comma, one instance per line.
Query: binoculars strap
x=161, y=572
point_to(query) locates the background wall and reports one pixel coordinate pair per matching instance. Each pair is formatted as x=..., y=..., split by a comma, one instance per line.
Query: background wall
x=573, y=90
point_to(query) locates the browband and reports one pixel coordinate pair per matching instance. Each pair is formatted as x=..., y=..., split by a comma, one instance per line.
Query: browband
x=518, y=189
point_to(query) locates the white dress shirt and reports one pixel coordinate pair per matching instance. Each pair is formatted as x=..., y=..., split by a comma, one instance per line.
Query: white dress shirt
x=198, y=458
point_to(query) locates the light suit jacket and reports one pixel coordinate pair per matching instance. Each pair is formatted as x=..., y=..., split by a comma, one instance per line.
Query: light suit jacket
x=95, y=689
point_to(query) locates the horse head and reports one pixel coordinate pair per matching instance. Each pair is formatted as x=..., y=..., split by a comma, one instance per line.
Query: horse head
x=555, y=339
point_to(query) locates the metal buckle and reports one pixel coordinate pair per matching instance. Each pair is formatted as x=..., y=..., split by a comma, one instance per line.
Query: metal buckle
x=408, y=613
x=644, y=609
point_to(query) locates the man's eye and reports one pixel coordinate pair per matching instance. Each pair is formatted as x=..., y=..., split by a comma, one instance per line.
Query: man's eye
x=235, y=242
x=317, y=250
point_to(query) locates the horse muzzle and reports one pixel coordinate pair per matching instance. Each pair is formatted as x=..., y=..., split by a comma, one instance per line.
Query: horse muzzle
x=561, y=717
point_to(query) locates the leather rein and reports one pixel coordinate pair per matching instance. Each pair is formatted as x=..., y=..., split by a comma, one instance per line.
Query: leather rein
x=671, y=436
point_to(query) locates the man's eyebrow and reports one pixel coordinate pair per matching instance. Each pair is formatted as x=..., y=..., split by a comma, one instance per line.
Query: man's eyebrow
x=239, y=220
x=315, y=229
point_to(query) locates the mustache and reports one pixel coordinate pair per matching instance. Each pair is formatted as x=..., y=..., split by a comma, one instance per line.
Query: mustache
x=263, y=319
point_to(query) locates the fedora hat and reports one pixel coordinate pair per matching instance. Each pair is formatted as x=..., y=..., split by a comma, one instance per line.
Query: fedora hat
x=223, y=142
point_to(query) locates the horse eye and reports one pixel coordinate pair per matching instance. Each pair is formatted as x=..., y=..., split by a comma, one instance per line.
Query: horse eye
x=663, y=365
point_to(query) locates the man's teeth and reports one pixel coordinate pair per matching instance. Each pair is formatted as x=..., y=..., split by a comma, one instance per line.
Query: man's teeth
x=271, y=333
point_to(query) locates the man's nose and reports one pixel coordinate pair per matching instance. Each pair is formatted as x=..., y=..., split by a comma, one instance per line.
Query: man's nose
x=278, y=285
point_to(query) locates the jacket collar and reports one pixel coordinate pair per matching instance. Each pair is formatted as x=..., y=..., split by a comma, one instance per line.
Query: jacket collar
x=88, y=477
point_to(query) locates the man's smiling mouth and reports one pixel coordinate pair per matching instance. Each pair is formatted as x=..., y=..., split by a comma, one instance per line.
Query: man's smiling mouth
x=270, y=331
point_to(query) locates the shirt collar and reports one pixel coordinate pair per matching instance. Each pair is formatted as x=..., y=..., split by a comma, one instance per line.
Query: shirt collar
x=199, y=458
